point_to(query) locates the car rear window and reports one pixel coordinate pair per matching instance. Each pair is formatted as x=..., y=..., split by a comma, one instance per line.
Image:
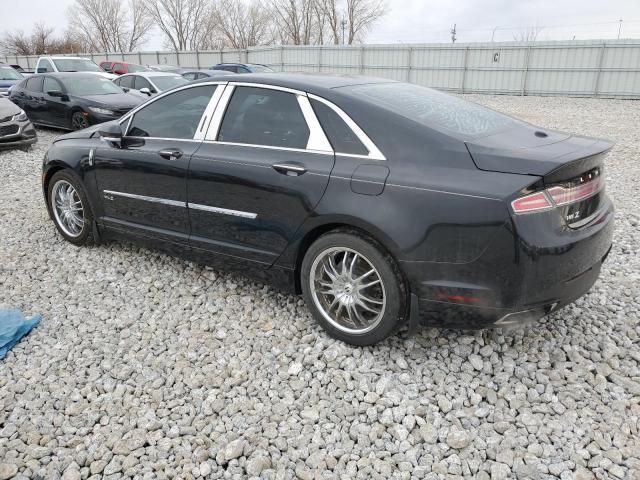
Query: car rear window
x=434, y=109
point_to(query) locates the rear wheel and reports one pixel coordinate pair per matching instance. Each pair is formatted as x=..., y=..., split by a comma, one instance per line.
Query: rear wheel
x=353, y=288
x=70, y=208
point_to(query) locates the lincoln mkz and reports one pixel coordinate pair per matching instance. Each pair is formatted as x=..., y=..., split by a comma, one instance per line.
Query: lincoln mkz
x=384, y=204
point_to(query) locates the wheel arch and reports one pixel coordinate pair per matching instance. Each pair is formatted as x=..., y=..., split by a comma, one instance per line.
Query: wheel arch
x=315, y=231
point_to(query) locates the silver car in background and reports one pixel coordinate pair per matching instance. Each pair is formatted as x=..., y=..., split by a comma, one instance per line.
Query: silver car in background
x=150, y=83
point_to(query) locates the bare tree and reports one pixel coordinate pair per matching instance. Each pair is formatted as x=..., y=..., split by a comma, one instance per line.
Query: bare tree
x=110, y=25
x=16, y=43
x=185, y=24
x=362, y=15
x=530, y=34
x=243, y=25
x=295, y=21
x=42, y=38
x=333, y=15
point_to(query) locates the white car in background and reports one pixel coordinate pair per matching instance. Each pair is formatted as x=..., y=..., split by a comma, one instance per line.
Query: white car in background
x=71, y=64
x=149, y=83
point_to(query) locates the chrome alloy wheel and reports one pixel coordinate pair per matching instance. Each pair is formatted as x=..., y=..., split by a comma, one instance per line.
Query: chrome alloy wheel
x=348, y=290
x=67, y=208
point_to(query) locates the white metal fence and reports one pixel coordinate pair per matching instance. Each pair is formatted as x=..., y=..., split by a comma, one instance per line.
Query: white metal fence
x=572, y=68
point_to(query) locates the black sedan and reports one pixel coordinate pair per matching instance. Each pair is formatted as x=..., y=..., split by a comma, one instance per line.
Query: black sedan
x=16, y=131
x=383, y=203
x=72, y=101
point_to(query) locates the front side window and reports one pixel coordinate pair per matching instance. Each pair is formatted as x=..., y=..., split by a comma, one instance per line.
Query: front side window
x=141, y=83
x=176, y=115
x=51, y=85
x=34, y=84
x=259, y=116
x=125, y=82
x=45, y=66
x=189, y=76
x=90, y=85
x=341, y=137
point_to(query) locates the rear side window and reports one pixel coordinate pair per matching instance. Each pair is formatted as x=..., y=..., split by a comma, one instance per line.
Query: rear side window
x=341, y=137
x=34, y=84
x=105, y=65
x=434, y=109
x=259, y=116
x=176, y=115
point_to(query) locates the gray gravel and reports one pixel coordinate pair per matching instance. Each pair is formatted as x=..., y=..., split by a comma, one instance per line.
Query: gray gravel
x=146, y=366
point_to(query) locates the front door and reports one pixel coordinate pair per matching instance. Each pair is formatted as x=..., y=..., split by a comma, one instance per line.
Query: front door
x=253, y=183
x=143, y=184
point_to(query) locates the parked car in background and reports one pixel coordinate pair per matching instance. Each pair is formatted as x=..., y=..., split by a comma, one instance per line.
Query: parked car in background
x=70, y=64
x=198, y=74
x=243, y=68
x=381, y=202
x=72, y=101
x=120, y=68
x=165, y=68
x=150, y=83
x=9, y=76
x=22, y=71
x=16, y=131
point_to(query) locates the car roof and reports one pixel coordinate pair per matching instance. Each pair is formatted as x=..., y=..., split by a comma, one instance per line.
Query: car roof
x=63, y=57
x=63, y=75
x=308, y=82
x=243, y=64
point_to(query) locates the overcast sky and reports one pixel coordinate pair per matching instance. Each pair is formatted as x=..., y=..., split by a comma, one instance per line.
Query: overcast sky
x=415, y=21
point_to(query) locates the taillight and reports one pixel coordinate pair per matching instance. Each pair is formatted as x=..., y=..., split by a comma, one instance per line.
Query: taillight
x=534, y=202
x=558, y=195
x=566, y=195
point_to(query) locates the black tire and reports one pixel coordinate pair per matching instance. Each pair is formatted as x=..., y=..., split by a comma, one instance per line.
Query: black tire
x=79, y=120
x=392, y=286
x=85, y=235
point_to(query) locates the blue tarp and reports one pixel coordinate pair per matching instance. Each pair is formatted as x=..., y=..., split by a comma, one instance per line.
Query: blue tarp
x=14, y=326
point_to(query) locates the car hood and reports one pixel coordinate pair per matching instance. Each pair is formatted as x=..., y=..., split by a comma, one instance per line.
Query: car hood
x=529, y=150
x=79, y=134
x=8, y=108
x=118, y=101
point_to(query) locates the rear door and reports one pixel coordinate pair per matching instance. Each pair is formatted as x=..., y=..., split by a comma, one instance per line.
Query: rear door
x=262, y=169
x=143, y=184
x=33, y=99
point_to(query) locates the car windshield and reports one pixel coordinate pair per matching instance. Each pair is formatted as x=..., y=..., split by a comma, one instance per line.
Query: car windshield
x=434, y=109
x=169, y=81
x=8, y=73
x=260, y=68
x=76, y=65
x=137, y=68
x=91, y=85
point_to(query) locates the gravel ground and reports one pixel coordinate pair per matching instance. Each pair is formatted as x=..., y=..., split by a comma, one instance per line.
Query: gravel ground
x=146, y=366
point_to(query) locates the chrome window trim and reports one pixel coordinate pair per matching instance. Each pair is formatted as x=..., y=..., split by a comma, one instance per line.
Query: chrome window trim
x=164, y=201
x=223, y=211
x=317, y=139
x=270, y=147
x=374, y=152
x=160, y=95
x=317, y=142
x=207, y=115
x=218, y=114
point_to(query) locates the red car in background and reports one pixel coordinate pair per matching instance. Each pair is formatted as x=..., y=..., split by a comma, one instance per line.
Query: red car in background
x=120, y=67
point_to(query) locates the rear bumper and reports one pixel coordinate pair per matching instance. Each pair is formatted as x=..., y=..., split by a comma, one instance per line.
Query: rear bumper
x=526, y=273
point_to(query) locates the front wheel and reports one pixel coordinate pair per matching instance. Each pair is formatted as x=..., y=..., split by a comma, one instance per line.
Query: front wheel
x=353, y=288
x=79, y=120
x=70, y=208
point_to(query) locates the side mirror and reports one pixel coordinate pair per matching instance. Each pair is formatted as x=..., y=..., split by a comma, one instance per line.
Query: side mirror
x=146, y=91
x=111, y=132
x=41, y=70
x=55, y=93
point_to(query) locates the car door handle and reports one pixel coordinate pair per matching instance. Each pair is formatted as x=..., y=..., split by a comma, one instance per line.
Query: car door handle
x=289, y=169
x=170, y=154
